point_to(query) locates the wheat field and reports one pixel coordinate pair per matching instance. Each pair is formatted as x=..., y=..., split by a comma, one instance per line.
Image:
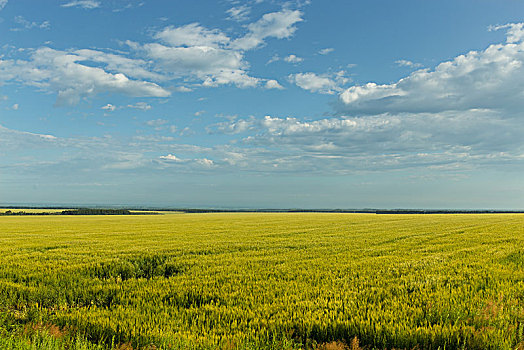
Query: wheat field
x=262, y=281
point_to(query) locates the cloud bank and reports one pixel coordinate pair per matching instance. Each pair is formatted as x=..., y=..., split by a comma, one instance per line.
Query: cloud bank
x=85, y=4
x=64, y=73
x=179, y=58
x=488, y=79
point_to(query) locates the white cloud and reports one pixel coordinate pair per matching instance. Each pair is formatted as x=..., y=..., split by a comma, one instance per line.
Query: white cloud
x=407, y=63
x=456, y=140
x=192, y=35
x=233, y=126
x=26, y=25
x=293, y=59
x=25, y=153
x=183, y=89
x=109, y=107
x=172, y=157
x=199, y=113
x=213, y=66
x=136, y=68
x=187, y=56
x=15, y=107
x=313, y=82
x=323, y=83
x=489, y=79
x=239, y=13
x=2, y=4
x=514, y=31
x=476, y=124
x=273, y=84
x=238, y=77
x=157, y=122
x=194, y=50
x=86, y=4
x=370, y=91
x=140, y=105
x=62, y=72
x=278, y=25
x=275, y=58
x=14, y=139
x=208, y=163
x=326, y=51
x=197, y=162
x=128, y=6
x=162, y=125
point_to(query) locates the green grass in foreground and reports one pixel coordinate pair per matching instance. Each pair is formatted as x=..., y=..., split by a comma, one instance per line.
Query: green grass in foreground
x=262, y=281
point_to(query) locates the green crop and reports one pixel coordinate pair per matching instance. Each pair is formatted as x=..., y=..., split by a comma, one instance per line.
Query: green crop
x=262, y=281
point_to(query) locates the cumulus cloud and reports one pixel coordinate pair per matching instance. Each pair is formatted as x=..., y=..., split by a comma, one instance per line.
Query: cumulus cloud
x=210, y=57
x=239, y=13
x=407, y=63
x=278, y=25
x=488, y=79
x=132, y=67
x=197, y=162
x=289, y=59
x=2, y=4
x=273, y=84
x=321, y=83
x=464, y=114
x=157, y=122
x=162, y=125
x=213, y=64
x=186, y=56
x=183, y=89
x=234, y=126
x=24, y=24
x=275, y=58
x=326, y=51
x=293, y=59
x=62, y=72
x=140, y=105
x=208, y=163
x=192, y=35
x=382, y=142
x=514, y=31
x=85, y=4
x=109, y=107
x=172, y=157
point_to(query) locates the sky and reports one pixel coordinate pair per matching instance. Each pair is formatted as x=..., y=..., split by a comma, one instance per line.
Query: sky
x=262, y=104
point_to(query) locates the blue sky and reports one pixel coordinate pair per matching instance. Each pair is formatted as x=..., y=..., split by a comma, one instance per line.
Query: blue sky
x=269, y=104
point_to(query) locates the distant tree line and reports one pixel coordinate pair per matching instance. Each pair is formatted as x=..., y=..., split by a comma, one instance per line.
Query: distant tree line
x=349, y=211
x=20, y=213
x=99, y=211
x=84, y=211
x=88, y=211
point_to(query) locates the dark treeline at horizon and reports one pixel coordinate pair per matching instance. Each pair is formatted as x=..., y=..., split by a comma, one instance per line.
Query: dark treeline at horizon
x=149, y=211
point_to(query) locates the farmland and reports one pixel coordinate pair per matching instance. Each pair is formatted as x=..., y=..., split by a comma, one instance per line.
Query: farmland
x=262, y=281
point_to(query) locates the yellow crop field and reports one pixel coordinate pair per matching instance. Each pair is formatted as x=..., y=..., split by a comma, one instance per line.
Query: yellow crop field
x=262, y=281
